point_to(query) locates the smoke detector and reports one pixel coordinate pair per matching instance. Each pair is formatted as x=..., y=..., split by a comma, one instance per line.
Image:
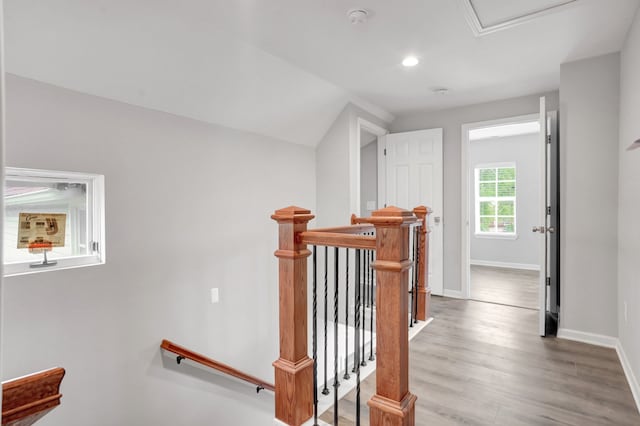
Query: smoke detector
x=358, y=16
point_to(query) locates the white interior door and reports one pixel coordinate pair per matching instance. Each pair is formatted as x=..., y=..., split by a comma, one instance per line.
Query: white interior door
x=413, y=170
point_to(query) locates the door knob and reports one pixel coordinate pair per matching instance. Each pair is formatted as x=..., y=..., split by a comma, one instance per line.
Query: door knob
x=540, y=229
x=551, y=229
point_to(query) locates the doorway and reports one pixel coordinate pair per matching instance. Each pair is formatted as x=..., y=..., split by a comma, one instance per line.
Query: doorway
x=503, y=201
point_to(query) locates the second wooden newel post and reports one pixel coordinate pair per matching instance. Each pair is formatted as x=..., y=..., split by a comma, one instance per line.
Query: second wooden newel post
x=392, y=404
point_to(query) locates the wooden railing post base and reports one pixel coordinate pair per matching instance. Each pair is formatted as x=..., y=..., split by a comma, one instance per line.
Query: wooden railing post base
x=294, y=379
x=386, y=412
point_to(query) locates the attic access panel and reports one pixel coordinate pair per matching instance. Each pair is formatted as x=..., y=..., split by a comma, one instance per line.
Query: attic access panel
x=487, y=16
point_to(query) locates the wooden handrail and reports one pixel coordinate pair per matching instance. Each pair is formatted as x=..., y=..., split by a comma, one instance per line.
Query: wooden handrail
x=351, y=229
x=334, y=239
x=184, y=353
x=27, y=399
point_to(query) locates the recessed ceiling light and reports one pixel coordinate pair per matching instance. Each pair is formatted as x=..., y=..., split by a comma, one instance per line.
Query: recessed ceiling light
x=410, y=61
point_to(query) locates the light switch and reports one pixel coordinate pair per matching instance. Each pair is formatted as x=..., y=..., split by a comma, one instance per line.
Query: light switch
x=215, y=295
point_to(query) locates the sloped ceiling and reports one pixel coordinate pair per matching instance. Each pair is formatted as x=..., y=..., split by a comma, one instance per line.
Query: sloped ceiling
x=286, y=68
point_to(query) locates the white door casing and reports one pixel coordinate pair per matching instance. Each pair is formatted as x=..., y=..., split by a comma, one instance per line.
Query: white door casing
x=542, y=292
x=412, y=177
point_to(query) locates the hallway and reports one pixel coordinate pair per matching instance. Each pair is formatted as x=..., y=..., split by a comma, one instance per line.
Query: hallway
x=484, y=364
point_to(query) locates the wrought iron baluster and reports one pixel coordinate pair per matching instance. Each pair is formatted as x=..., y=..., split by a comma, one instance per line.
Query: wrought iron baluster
x=346, y=321
x=356, y=354
x=362, y=283
x=315, y=337
x=325, y=389
x=417, y=273
x=336, y=382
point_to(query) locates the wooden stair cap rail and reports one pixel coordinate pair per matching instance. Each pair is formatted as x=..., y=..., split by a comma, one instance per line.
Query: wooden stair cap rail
x=27, y=399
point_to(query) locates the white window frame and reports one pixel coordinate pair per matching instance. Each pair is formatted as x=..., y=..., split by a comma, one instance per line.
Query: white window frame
x=504, y=235
x=95, y=219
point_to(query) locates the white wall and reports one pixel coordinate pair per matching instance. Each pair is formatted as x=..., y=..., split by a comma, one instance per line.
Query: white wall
x=523, y=151
x=188, y=208
x=337, y=167
x=589, y=123
x=629, y=204
x=368, y=176
x=451, y=121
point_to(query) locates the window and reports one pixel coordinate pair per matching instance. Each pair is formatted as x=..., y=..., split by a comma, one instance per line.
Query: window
x=495, y=200
x=76, y=197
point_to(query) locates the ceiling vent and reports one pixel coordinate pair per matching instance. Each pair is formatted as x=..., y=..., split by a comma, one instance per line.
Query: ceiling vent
x=358, y=16
x=488, y=16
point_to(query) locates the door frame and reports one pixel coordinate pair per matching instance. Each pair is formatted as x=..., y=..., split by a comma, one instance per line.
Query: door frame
x=354, y=143
x=465, y=258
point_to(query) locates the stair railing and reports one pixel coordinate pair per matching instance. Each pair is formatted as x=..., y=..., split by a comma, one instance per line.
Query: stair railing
x=384, y=241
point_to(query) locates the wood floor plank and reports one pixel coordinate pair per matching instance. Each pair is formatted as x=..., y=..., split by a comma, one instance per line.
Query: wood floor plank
x=484, y=364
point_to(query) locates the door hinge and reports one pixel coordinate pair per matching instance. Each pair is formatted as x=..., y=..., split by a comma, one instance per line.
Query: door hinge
x=95, y=246
x=549, y=281
x=548, y=138
x=549, y=210
x=385, y=151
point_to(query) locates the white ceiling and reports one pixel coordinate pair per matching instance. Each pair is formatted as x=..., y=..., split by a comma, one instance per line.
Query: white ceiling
x=286, y=68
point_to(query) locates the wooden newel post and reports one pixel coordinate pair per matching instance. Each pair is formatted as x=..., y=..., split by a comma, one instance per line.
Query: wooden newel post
x=294, y=368
x=424, y=290
x=392, y=404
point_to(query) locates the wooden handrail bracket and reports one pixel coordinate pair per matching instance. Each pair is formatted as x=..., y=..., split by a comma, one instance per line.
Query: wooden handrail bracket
x=27, y=399
x=184, y=353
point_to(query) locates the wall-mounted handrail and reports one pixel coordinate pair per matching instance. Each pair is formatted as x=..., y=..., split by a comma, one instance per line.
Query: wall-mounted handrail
x=26, y=399
x=184, y=353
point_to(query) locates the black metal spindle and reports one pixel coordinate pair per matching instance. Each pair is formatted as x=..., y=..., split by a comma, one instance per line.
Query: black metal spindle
x=417, y=272
x=336, y=382
x=371, y=304
x=356, y=354
x=346, y=321
x=315, y=338
x=325, y=390
x=363, y=277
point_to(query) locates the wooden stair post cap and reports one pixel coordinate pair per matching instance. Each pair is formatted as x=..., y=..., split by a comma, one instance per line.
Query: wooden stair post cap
x=391, y=215
x=421, y=210
x=292, y=213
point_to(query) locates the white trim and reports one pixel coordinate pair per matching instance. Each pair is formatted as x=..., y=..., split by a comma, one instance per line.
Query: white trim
x=454, y=294
x=372, y=109
x=480, y=30
x=628, y=372
x=354, y=149
x=590, y=338
x=509, y=265
x=464, y=193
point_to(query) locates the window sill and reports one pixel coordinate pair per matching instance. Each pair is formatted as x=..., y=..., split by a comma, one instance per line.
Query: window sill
x=24, y=268
x=497, y=236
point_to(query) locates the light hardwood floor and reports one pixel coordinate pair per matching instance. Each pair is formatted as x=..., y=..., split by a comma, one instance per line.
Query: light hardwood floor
x=515, y=287
x=484, y=364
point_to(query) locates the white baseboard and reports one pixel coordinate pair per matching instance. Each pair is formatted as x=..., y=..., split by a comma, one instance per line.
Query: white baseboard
x=591, y=338
x=631, y=378
x=607, y=342
x=526, y=266
x=454, y=294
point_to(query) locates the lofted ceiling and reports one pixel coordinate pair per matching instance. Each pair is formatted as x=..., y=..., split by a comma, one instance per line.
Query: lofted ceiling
x=286, y=68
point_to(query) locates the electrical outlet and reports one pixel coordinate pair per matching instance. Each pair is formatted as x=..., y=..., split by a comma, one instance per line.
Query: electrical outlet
x=626, y=314
x=215, y=295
